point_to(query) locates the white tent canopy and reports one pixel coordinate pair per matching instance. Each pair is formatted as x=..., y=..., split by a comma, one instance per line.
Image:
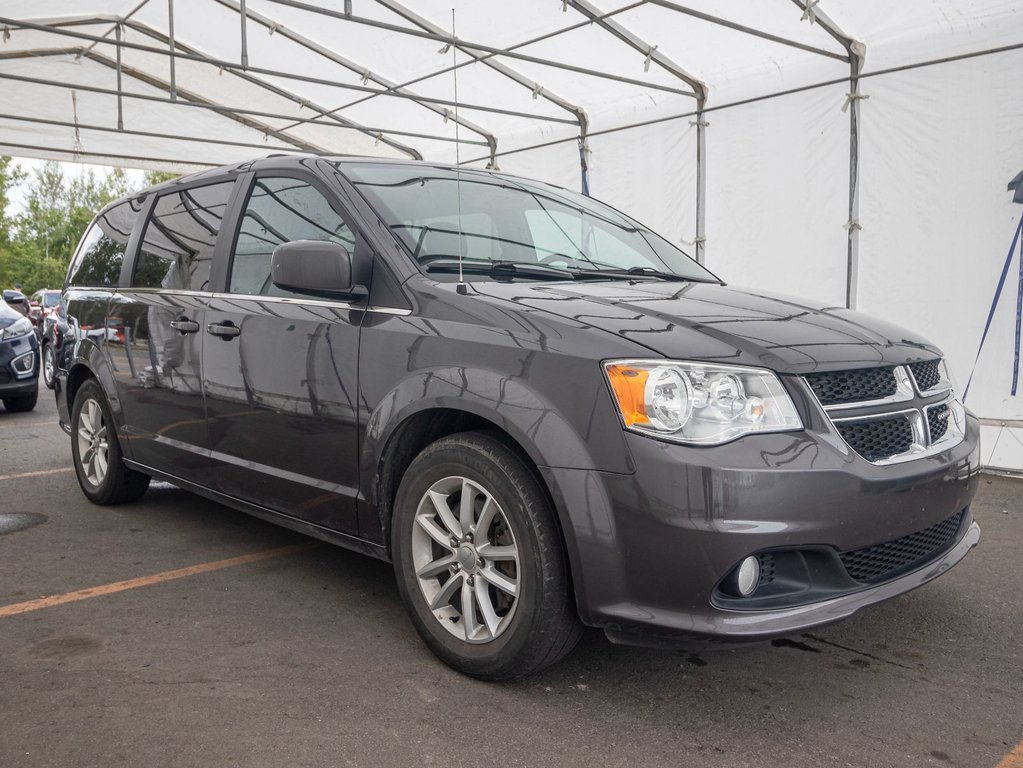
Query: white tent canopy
x=852, y=151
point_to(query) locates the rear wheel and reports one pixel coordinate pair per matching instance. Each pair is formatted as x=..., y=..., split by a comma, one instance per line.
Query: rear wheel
x=49, y=366
x=101, y=471
x=479, y=560
x=22, y=403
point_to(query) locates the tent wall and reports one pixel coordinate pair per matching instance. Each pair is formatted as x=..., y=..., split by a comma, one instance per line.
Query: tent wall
x=938, y=145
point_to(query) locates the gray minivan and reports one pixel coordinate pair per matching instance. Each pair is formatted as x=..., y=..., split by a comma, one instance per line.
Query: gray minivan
x=544, y=414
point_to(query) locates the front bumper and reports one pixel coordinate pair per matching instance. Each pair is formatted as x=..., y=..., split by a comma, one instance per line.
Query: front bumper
x=649, y=549
x=15, y=377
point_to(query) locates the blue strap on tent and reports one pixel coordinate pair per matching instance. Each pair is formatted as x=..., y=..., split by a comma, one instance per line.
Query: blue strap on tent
x=1019, y=314
x=991, y=313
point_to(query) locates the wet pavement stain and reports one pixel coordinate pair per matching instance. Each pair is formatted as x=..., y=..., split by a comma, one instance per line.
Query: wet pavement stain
x=65, y=647
x=784, y=642
x=12, y=522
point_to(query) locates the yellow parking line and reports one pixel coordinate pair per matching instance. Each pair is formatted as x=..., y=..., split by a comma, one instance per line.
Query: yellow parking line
x=1014, y=759
x=39, y=473
x=156, y=578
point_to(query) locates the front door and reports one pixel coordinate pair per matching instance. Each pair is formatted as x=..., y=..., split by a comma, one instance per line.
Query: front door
x=154, y=325
x=281, y=369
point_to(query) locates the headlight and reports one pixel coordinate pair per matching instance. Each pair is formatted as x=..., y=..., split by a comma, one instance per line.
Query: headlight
x=19, y=327
x=699, y=403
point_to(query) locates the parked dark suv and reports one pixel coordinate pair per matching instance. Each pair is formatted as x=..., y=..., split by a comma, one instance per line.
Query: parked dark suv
x=541, y=412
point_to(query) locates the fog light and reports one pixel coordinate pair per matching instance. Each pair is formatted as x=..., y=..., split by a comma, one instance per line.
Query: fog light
x=25, y=364
x=747, y=577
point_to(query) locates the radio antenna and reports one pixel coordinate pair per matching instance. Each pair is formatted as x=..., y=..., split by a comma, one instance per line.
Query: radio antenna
x=458, y=157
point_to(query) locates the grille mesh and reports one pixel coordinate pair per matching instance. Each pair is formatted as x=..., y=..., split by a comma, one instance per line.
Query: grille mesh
x=837, y=387
x=927, y=374
x=766, y=568
x=884, y=561
x=878, y=438
x=937, y=420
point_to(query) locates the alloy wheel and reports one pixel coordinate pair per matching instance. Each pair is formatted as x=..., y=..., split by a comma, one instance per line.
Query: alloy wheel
x=466, y=559
x=49, y=368
x=93, y=448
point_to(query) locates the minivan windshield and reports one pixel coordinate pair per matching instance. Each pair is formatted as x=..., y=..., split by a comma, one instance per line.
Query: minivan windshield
x=506, y=221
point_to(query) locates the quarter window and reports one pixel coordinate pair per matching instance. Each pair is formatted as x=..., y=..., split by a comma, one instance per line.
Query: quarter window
x=177, y=249
x=280, y=210
x=101, y=252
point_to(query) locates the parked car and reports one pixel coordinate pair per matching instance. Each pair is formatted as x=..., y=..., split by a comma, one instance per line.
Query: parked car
x=19, y=360
x=542, y=413
x=55, y=330
x=17, y=301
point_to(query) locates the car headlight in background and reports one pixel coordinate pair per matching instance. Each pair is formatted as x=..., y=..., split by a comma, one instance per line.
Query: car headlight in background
x=19, y=327
x=699, y=403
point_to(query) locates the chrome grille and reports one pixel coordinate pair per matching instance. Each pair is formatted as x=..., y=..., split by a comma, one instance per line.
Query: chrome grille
x=892, y=413
x=927, y=374
x=837, y=387
x=878, y=439
x=937, y=421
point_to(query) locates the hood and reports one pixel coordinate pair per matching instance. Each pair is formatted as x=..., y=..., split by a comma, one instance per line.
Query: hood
x=8, y=314
x=697, y=321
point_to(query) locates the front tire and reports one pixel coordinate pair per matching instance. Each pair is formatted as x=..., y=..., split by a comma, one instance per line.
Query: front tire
x=22, y=403
x=49, y=366
x=96, y=452
x=479, y=560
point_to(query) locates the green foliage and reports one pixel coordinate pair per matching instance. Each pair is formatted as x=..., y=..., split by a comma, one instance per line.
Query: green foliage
x=152, y=178
x=37, y=244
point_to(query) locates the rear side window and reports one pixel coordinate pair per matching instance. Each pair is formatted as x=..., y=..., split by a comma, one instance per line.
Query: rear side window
x=280, y=210
x=177, y=248
x=101, y=252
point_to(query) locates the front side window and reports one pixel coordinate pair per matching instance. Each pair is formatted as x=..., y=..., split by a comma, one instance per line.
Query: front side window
x=280, y=210
x=177, y=248
x=97, y=262
x=507, y=219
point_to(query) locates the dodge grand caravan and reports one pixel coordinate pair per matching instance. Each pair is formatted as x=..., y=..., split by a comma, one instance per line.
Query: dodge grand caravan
x=542, y=413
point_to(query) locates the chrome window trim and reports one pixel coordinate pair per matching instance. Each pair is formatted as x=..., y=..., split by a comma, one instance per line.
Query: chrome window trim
x=269, y=299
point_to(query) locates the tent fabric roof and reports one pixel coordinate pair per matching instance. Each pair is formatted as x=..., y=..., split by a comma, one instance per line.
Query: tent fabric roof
x=374, y=76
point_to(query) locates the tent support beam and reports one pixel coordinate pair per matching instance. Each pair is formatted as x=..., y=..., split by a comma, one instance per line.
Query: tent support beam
x=145, y=29
x=244, y=17
x=505, y=52
x=170, y=45
x=857, y=52
x=512, y=74
x=363, y=72
x=487, y=56
x=120, y=90
x=652, y=55
x=209, y=106
x=56, y=26
x=143, y=134
x=747, y=30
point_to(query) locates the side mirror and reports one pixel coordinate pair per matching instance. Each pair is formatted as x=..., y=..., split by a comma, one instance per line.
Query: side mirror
x=314, y=267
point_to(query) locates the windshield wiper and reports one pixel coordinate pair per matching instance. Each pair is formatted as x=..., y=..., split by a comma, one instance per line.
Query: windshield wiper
x=646, y=272
x=500, y=268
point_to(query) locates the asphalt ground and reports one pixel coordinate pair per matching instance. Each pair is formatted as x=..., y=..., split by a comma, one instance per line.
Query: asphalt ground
x=225, y=641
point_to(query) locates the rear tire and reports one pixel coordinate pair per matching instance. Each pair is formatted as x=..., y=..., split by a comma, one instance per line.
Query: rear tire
x=499, y=560
x=96, y=451
x=21, y=403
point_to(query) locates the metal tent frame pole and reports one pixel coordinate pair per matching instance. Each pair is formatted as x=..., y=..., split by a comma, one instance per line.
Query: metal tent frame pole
x=652, y=55
x=856, y=52
x=512, y=74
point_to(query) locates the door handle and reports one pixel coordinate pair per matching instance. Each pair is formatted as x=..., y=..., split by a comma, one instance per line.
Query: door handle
x=183, y=325
x=225, y=330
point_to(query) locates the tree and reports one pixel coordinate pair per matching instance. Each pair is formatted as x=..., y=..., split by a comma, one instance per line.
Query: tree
x=56, y=214
x=152, y=178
